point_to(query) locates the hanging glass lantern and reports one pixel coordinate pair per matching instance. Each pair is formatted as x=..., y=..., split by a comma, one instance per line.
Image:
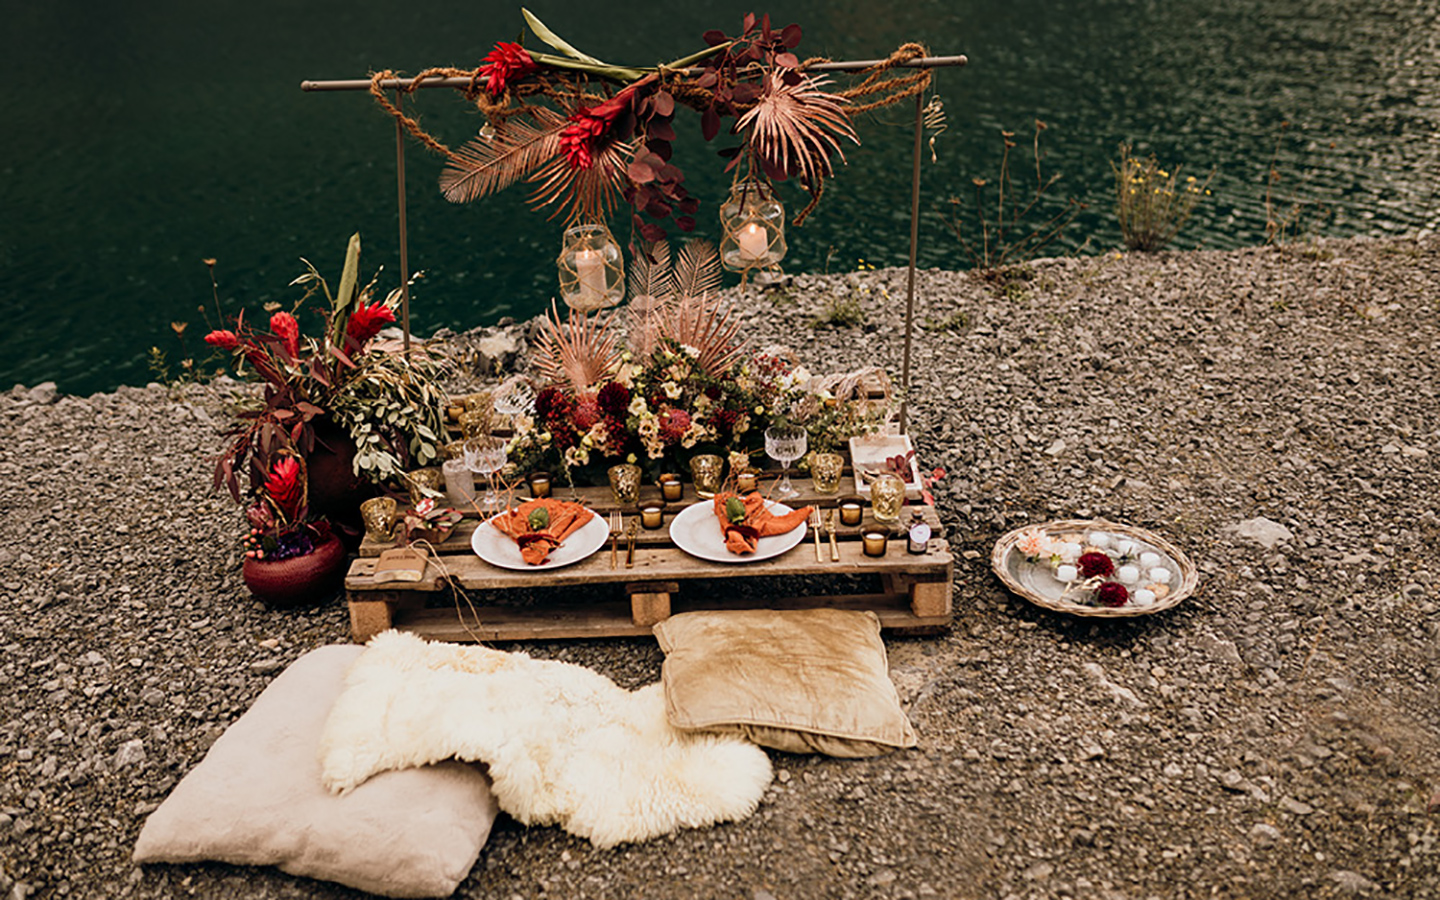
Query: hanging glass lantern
x=592, y=270
x=753, y=222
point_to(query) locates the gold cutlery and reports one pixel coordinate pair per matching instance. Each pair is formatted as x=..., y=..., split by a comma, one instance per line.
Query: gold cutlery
x=815, y=525
x=630, y=543
x=830, y=530
x=614, y=536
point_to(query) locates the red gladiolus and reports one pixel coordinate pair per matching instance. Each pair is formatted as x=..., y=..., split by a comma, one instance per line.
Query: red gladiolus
x=284, y=326
x=506, y=62
x=225, y=340
x=367, y=321
x=285, y=488
x=588, y=126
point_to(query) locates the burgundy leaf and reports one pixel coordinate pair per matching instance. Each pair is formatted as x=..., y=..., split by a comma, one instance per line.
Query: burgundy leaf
x=790, y=35
x=652, y=232
x=710, y=124
x=660, y=129
x=792, y=77
x=671, y=173
x=707, y=79
x=714, y=36
x=663, y=103
x=639, y=172
x=746, y=93
x=686, y=223
x=749, y=21
x=787, y=60
x=729, y=153
x=765, y=28
x=637, y=223
x=295, y=432
x=689, y=205
x=657, y=208
x=662, y=149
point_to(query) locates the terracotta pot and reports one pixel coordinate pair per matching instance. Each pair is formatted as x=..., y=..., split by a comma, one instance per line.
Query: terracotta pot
x=285, y=583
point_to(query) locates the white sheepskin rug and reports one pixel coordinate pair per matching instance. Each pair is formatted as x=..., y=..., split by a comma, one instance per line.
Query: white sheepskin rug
x=565, y=745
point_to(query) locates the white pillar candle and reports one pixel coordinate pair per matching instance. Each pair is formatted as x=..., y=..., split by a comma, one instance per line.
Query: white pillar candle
x=1066, y=573
x=1149, y=560
x=1142, y=597
x=1127, y=574
x=459, y=483
x=1160, y=575
x=754, y=243
x=590, y=269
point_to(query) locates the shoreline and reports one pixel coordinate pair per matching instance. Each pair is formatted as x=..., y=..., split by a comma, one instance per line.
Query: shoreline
x=1277, y=735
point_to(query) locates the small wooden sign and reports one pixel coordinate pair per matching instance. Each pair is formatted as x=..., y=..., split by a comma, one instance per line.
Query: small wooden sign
x=400, y=564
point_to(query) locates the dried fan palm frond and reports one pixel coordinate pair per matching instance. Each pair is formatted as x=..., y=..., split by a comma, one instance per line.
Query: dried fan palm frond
x=584, y=194
x=697, y=270
x=793, y=127
x=651, y=293
x=580, y=351
x=698, y=318
x=483, y=166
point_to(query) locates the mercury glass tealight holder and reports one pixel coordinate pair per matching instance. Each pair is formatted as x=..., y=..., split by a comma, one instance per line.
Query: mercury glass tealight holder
x=752, y=223
x=705, y=471
x=592, y=270
x=422, y=483
x=887, y=496
x=825, y=471
x=378, y=513
x=625, y=482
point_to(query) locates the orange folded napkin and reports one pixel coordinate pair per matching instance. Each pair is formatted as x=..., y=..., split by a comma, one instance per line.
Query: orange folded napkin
x=742, y=537
x=561, y=519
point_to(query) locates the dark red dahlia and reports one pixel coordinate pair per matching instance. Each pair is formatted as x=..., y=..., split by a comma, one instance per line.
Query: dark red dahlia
x=587, y=411
x=1111, y=593
x=614, y=400
x=367, y=321
x=1095, y=563
x=723, y=421
x=505, y=63
x=713, y=391
x=553, y=407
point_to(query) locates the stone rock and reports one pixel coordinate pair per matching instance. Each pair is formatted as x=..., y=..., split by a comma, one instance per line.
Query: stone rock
x=1264, y=834
x=1353, y=882
x=44, y=393
x=1265, y=532
x=131, y=753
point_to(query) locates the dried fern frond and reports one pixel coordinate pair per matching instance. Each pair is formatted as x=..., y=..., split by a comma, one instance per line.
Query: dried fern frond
x=580, y=351
x=793, y=127
x=483, y=166
x=589, y=194
x=697, y=270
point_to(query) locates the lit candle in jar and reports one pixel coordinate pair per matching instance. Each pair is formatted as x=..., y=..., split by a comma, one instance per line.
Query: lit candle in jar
x=590, y=270
x=753, y=241
x=540, y=484
x=850, y=513
x=671, y=488
x=745, y=482
x=875, y=543
x=652, y=515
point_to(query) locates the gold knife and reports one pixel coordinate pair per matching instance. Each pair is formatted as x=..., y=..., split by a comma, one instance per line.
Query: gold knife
x=830, y=529
x=630, y=544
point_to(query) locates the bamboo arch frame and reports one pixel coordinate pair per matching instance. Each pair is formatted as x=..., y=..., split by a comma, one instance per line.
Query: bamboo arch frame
x=400, y=85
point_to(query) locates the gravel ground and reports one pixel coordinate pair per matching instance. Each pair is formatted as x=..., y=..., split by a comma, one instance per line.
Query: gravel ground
x=1276, y=736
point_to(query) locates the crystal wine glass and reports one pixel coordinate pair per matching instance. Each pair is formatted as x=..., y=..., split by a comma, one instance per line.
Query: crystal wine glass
x=514, y=395
x=486, y=456
x=785, y=444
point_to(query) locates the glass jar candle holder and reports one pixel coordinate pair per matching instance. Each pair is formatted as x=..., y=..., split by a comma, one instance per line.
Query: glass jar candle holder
x=706, y=470
x=592, y=270
x=422, y=483
x=825, y=471
x=887, y=496
x=875, y=542
x=539, y=484
x=851, y=511
x=671, y=487
x=752, y=222
x=625, y=482
x=652, y=515
x=459, y=483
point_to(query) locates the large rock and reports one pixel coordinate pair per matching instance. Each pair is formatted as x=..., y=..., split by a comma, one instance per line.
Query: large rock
x=1263, y=531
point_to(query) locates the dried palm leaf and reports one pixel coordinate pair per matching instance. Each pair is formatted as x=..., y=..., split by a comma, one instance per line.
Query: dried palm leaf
x=650, y=274
x=697, y=270
x=793, y=127
x=580, y=351
x=584, y=194
x=483, y=166
x=698, y=318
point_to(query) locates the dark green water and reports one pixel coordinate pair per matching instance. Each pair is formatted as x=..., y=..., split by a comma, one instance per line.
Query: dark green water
x=142, y=137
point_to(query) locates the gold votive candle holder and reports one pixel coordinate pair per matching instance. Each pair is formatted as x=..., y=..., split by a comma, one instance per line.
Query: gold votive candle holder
x=652, y=515
x=671, y=487
x=705, y=471
x=825, y=471
x=625, y=482
x=851, y=511
x=875, y=542
x=887, y=496
x=422, y=483
x=745, y=482
x=539, y=484
x=378, y=514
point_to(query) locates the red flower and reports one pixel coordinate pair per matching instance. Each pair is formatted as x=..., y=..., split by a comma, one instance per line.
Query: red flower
x=225, y=340
x=614, y=399
x=285, y=488
x=505, y=63
x=673, y=425
x=367, y=321
x=1095, y=563
x=587, y=411
x=284, y=326
x=1111, y=594
x=588, y=126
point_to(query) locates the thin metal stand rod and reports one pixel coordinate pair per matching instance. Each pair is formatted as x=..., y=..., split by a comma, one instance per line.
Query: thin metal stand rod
x=404, y=250
x=914, y=248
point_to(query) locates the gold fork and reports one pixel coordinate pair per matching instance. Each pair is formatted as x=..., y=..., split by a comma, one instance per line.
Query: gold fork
x=815, y=526
x=615, y=526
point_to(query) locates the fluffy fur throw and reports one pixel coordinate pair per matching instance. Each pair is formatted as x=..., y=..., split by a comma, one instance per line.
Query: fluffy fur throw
x=564, y=744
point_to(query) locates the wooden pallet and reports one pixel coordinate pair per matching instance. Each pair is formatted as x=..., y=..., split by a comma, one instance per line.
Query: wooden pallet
x=912, y=591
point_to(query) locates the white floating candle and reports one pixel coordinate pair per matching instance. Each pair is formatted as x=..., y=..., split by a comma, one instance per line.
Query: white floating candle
x=1066, y=573
x=1160, y=574
x=1068, y=551
x=1149, y=559
x=1142, y=597
x=1127, y=574
x=1099, y=540
x=1124, y=546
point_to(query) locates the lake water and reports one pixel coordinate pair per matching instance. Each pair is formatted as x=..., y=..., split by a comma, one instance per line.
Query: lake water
x=143, y=137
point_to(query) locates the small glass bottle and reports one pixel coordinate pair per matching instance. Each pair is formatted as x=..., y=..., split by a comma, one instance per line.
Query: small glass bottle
x=918, y=539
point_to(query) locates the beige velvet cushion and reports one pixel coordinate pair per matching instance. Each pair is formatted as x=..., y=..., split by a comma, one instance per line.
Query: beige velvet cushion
x=802, y=681
x=256, y=799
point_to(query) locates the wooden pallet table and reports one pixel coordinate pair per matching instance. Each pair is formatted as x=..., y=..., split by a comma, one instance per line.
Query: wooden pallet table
x=912, y=591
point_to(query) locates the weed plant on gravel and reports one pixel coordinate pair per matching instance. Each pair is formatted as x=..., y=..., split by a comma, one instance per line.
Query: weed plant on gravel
x=1152, y=204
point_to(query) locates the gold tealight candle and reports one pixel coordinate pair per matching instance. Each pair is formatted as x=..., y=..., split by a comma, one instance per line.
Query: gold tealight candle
x=745, y=482
x=652, y=515
x=851, y=512
x=540, y=484
x=671, y=488
x=875, y=542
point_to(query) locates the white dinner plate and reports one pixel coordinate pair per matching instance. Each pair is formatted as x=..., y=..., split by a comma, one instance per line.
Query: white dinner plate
x=499, y=549
x=696, y=530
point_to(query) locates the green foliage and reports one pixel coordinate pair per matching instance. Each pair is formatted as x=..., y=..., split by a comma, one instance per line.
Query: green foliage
x=390, y=399
x=955, y=322
x=1153, y=205
x=1011, y=224
x=841, y=311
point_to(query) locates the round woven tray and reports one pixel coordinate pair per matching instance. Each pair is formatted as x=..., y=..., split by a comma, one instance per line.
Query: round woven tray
x=1029, y=581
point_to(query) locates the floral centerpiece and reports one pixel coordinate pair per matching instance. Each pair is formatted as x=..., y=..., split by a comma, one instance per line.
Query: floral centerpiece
x=343, y=386
x=290, y=556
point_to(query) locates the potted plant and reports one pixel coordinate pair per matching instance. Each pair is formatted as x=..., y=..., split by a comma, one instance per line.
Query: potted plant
x=358, y=411
x=289, y=558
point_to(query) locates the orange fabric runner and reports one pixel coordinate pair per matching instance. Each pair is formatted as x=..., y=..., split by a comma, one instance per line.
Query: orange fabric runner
x=759, y=522
x=565, y=519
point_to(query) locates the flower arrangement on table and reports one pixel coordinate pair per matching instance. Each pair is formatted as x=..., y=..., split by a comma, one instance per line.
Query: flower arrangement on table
x=682, y=385
x=387, y=402
x=1099, y=568
x=280, y=523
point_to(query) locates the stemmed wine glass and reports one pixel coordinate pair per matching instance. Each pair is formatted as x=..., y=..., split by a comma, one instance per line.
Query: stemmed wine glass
x=486, y=456
x=785, y=444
